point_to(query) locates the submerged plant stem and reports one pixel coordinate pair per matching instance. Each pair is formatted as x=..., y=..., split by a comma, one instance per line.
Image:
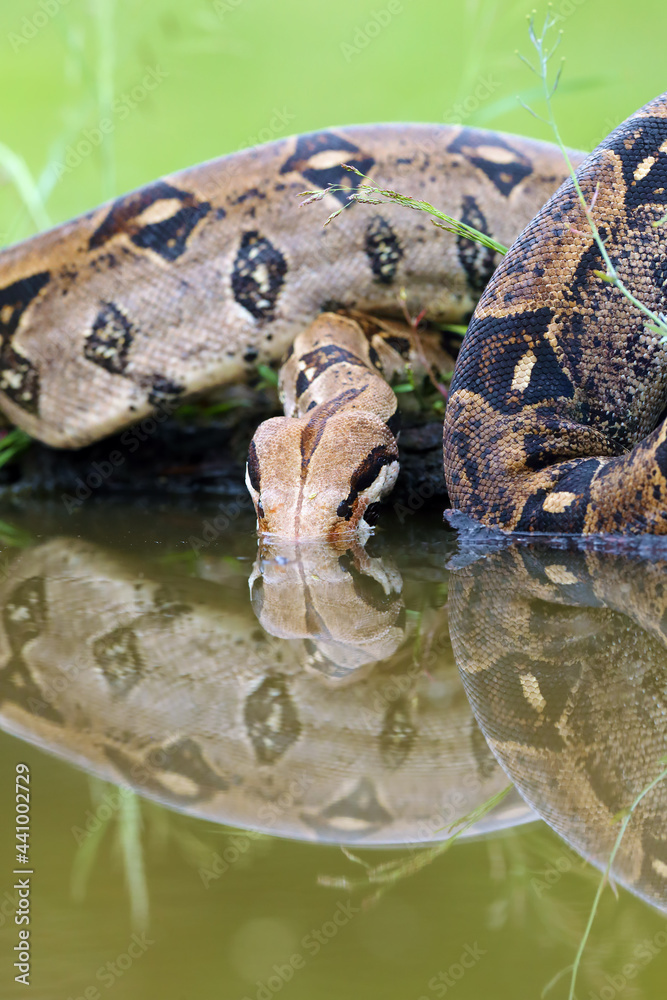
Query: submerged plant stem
x=386, y=875
x=596, y=902
x=129, y=828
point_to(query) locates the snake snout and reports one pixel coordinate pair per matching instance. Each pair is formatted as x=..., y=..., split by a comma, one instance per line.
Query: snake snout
x=322, y=485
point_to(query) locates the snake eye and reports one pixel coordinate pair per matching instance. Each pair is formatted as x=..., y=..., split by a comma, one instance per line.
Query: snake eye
x=253, y=478
x=369, y=473
x=253, y=467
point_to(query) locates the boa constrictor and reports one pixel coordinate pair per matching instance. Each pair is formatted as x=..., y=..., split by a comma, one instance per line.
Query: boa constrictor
x=192, y=281
x=556, y=420
x=326, y=721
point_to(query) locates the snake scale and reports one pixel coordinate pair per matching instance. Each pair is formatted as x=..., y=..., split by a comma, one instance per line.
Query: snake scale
x=555, y=423
x=556, y=416
x=556, y=420
x=194, y=280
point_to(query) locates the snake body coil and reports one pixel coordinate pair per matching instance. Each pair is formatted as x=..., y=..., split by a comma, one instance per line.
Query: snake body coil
x=556, y=416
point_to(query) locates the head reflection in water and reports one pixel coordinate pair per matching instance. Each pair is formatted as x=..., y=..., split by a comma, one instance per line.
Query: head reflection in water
x=345, y=604
x=563, y=656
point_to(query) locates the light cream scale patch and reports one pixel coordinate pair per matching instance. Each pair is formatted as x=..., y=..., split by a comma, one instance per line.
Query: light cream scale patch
x=532, y=693
x=556, y=503
x=496, y=154
x=163, y=208
x=523, y=371
x=329, y=158
x=560, y=574
x=643, y=168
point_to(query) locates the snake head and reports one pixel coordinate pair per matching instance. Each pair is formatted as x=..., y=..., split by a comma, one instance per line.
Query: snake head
x=317, y=476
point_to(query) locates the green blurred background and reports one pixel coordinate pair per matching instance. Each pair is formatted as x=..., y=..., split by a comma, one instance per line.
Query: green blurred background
x=235, y=70
x=231, y=72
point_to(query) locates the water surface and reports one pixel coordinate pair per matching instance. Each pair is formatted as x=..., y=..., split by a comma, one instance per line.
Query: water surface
x=217, y=737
